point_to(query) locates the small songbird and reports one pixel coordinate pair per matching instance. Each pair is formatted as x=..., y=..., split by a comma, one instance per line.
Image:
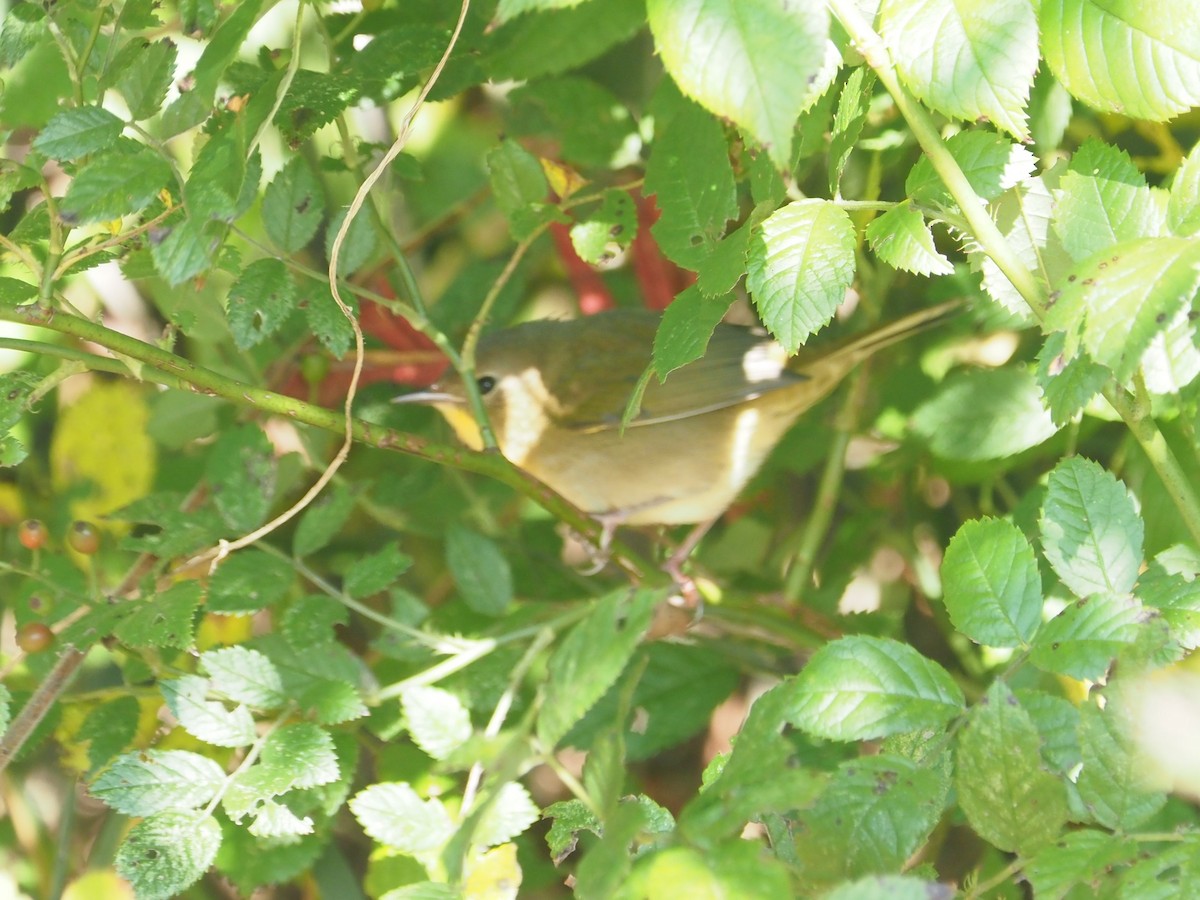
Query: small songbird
x=556, y=391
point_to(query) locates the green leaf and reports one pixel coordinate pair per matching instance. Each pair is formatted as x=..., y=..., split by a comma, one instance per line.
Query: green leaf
x=14, y=292
x=310, y=621
x=859, y=687
x=801, y=262
x=509, y=814
x=1079, y=858
x=590, y=123
x=293, y=206
x=605, y=869
x=510, y=9
x=242, y=471
x=148, y=782
x=1103, y=199
x=1124, y=296
x=1183, y=206
x=25, y=27
x=299, y=755
x=260, y=301
x=568, y=818
x=969, y=59
x=886, y=887
x=533, y=45
x=750, y=61
x=208, y=720
x=724, y=267
x=1172, y=361
x=73, y=133
x=171, y=531
x=118, y=183
x=145, y=80
x=1007, y=795
x=328, y=322
x=5, y=708
x=108, y=729
x=248, y=581
x=166, y=853
x=1067, y=386
x=372, y=574
x=854, y=102
x=591, y=658
x=1114, y=784
x=1082, y=640
x=1171, y=586
x=732, y=870
x=993, y=591
x=193, y=107
x=874, y=814
x=331, y=702
x=360, y=245
x=1091, y=532
x=982, y=415
x=1138, y=59
x=991, y=163
x=186, y=249
x=483, y=575
x=214, y=184
x=686, y=327
x=690, y=175
x=902, y=239
x=520, y=188
x=607, y=231
x=245, y=676
x=323, y=519
x=394, y=815
x=165, y=620
x=436, y=719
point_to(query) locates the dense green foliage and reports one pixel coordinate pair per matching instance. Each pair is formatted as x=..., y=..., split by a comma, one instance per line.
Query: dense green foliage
x=950, y=621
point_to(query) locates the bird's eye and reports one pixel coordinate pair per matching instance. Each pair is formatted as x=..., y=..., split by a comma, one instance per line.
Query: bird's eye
x=486, y=383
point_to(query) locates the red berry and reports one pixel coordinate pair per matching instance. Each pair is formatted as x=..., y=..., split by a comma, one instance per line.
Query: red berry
x=32, y=534
x=34, y=637
x=83, y=537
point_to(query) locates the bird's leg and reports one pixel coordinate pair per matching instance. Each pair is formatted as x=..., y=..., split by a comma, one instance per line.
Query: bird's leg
x=689, y=593
x=598, y=553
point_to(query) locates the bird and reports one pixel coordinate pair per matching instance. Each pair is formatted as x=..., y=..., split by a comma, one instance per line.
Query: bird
x=556, y=393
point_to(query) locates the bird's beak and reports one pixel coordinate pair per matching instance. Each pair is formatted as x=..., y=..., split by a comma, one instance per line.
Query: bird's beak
x=430, y=397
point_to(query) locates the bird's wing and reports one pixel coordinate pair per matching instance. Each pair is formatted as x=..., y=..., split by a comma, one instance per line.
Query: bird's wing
x=740, y=364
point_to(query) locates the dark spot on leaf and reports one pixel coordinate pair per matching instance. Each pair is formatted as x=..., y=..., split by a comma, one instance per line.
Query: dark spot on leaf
x=1160, y=318
x=1071, y=277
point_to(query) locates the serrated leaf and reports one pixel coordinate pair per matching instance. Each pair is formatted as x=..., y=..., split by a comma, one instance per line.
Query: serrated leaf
x=903, y=239
x=207, y=720
x=1138, y=59
x=690, y=175
x=310, y=621
x=991, y=163
x=1008, y=797
x=331, y=702
x=532, y=45
x=800, y=264
x=436, y=719
x=591, y=658
x=750, y=61
x=374, y=573
x=293, y=205
x=186, y=249
x=165, y=620
x=509, y=815
x=118, y=183
x=731, y=869
x=241, y=470
x=686, y=327
x=1183, y=206
x=73, y=133
x=1103, y=199
x=723, y=268
x=1088, y=856
x=589, y=122
x=520, y=188
x=483, y=575
x=248, y=581
x=5, y=708
x=1067, y=385
x=854, y=102
x=510, y=9
x=274, y=820
x=25, y=27
x=1091, y=531
x=606, y=232
x=153, y=781
x=1171, y=586
x=993, y=591
x=215, y=182
x=874, y=814
x=163, y=855
x=327, y=321
x=244, y=676
x=393, y=814
x=299, y=755
x=1114, y=784
x=969, y=59
x=14, y=292
x=982, y=415
x=1172, y=361
x=323, y=519
x=144, y=82
x=360, y=245
x=260, y=301
x=1084, y=638
x=859, y=687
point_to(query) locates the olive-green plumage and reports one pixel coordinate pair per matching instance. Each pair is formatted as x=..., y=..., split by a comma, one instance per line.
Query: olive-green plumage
x=556, y=391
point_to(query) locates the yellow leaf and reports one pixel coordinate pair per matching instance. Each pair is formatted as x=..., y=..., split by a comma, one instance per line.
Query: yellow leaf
x=12, y=505
x=494, y=876
x=101, y=451
x=564, y=181
x=74, y=756
x=100, y=884
x=222, y=631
